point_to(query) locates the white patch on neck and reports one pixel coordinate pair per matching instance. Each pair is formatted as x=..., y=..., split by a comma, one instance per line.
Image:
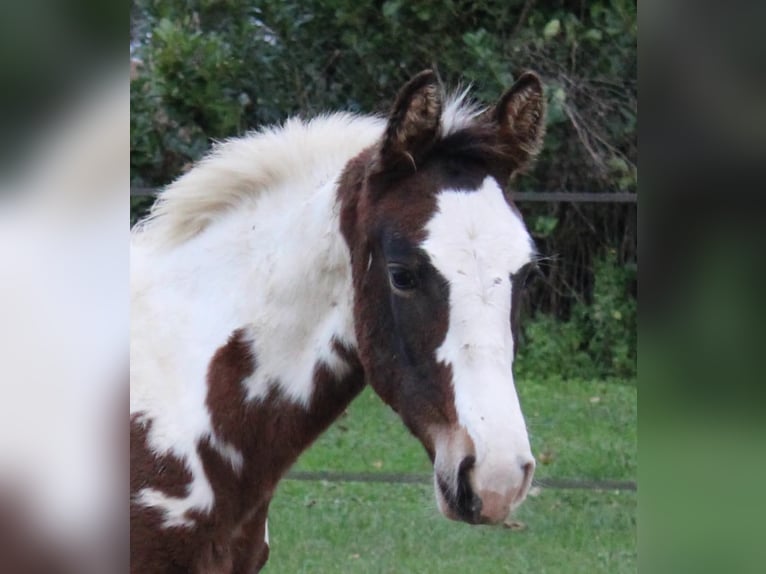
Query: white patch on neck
x=278, y=266
x=304, y=295
x=477, y=241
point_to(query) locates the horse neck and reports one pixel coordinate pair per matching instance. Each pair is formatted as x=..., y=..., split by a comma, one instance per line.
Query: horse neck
x=245, y=333
x=299, y=331
x=300, y=281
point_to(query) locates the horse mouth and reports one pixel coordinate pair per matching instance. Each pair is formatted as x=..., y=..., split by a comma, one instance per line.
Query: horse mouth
x=459, y=501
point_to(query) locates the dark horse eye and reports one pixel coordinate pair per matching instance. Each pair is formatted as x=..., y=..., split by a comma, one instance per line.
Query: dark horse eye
x=402, y=278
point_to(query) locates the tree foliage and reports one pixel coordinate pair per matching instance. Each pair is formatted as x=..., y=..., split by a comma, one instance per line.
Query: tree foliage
x=215, y=68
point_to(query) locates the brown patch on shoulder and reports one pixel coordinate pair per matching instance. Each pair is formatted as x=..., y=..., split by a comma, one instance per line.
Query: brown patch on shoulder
x=226, y=399
x=165, y=473
x=154, y=548
x=370, y=208
x=270, y=433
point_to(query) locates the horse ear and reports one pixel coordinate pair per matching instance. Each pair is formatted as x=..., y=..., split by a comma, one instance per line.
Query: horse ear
x=413, y=124
x=520, y=115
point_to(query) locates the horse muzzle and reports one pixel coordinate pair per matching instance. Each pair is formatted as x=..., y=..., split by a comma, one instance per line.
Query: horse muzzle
x=484, y=492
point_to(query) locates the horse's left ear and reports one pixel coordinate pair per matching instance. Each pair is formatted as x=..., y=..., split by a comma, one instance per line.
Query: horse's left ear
x=413, y=124
x=520, y=115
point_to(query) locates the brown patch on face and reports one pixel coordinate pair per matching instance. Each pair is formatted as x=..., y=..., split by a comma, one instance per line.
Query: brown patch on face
x=384, y=202
x=398, y=338
x=383, y=220
x=270, y=434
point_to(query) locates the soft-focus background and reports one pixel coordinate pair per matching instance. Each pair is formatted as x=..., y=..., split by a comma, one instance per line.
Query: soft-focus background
x=702, y=282
x=360, y=500
x=64, y=276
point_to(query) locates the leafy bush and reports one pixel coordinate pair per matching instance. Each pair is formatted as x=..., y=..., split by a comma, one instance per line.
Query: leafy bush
x=599, y=339
x=552, y=348
x=215, y=68
x=608, y=324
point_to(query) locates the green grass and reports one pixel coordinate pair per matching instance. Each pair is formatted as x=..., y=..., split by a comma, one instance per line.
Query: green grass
x=377, y=528
x=573, y=435
x=579, y=429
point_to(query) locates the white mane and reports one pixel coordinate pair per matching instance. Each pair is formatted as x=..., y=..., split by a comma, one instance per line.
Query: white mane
x=239, y=168
x=300, y=150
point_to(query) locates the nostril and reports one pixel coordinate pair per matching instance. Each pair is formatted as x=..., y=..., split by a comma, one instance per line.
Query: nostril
x=466, y=464
x=528, y=469
x=467, y=503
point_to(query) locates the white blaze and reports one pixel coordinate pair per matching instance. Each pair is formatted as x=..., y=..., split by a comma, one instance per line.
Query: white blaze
x=477, y=241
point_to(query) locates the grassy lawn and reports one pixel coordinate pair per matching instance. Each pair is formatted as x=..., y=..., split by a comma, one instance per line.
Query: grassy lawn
x=579, y=429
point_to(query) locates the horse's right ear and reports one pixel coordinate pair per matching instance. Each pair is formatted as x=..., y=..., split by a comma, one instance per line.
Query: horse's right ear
x=413, y=124
x=520, y=117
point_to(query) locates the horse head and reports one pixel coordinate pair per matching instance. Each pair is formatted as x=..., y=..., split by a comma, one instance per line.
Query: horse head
x=439, y=253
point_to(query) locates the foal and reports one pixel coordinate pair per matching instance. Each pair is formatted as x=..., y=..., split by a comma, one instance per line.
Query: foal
x=292, y=267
